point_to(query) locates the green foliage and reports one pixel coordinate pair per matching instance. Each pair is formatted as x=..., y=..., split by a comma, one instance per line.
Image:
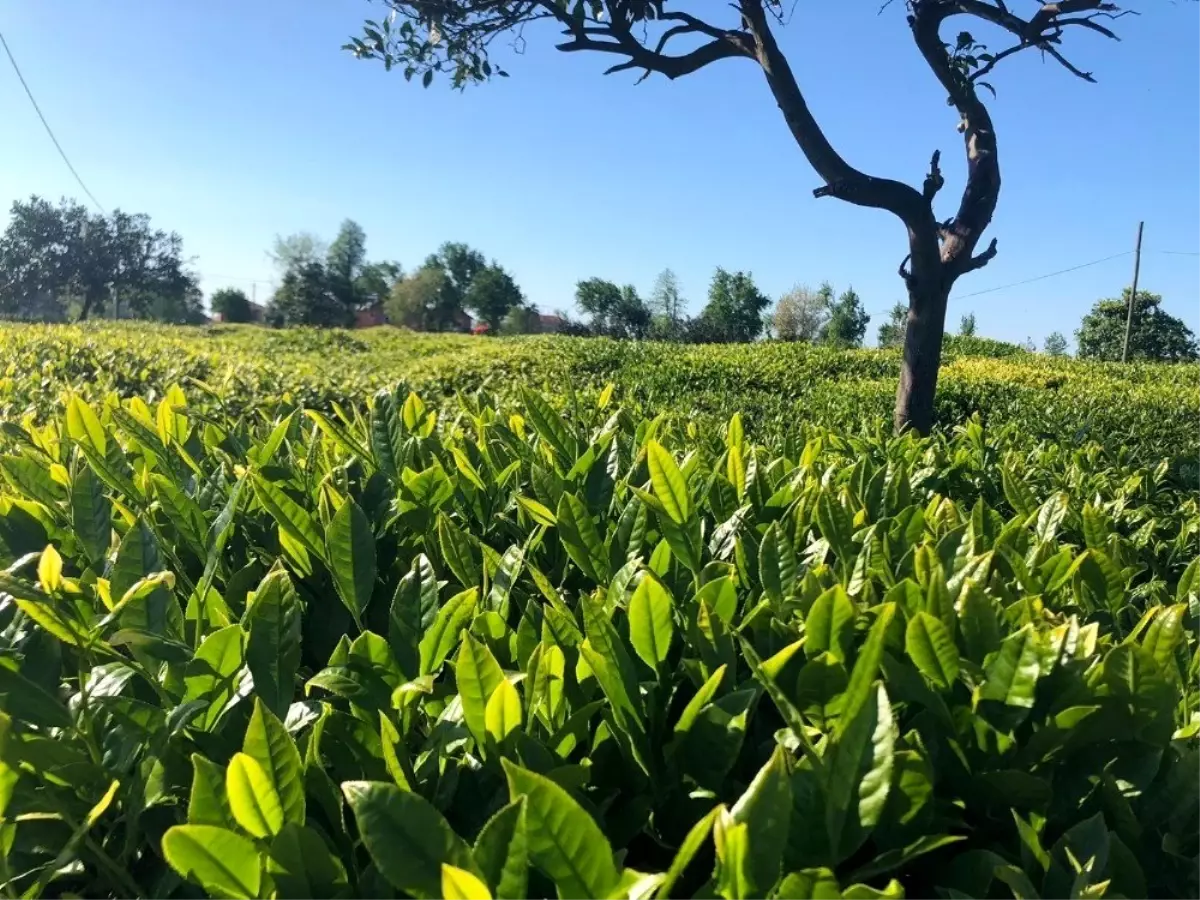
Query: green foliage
x=735, y=307
x=62, y=261
x=231, y=304
x=307, y=295
x=528, y=644
x=1156, y=334
x=847, y=325
x=966, y=327
x=1055, y=345
x=418, y=301
x=891, y=331
x=491, y=294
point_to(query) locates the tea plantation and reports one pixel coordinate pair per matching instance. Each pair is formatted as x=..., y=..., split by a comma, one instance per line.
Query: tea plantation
x=372, y=614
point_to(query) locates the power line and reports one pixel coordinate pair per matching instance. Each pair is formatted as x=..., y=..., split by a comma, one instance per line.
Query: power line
x=1004, y=287
x=1178, y=252
x=49, y=131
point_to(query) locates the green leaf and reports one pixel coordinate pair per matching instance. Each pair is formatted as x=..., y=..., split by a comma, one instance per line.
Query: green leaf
x=564, y=841
x=458, y=551
x=1164, y=634
x=829, y=626
x=289, y=515
x=1019, y=497
x=268, y=743
x=503, y=713
x=351, y=548
x=83, y=425
x=27, y=701
x=720, y=595
x=300, y=865
x=274, y=644
x=836, y=526
x=477, y=675
x=669, y=485
x=407, y=838
x=548, y=423
x=537, y=511
x=1012, y=674
x=733, y=852
x=444, y=632
x=252, y=797
x=809, y=884
x=208, y=802
x=220, y=861
x=30, y=479
x=91, y=514
x=581, y=539
x=212, y=675
x=650, y=622
x=860, y=763
x=502, y=852
x=859, y=691
x=820, y=689
x=707, y=691
x=765, y=809
x=137, y=557
x=776, y=564
x=1189, y=582
x=459, y=884
x=930, y=646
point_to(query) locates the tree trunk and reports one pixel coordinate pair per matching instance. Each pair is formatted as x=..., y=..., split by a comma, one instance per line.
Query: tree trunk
x=922, y=356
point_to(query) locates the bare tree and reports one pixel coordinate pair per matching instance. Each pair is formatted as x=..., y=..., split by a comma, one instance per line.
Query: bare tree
x=802, y=313
x=454, y=37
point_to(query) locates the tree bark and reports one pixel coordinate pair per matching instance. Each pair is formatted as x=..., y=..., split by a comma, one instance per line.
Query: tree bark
x=922, y=358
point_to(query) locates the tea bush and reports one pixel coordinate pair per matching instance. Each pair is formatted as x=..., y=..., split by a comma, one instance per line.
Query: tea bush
x=1147, y=410
x=512, y=643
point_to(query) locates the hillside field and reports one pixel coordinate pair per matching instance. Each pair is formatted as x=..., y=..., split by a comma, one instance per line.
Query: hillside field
x=376, y=614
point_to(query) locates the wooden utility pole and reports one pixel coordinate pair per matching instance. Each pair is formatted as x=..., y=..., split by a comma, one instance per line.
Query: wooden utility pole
x=1137, y=266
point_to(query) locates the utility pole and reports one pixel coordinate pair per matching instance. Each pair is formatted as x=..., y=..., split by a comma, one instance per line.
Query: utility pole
x=1137, y=266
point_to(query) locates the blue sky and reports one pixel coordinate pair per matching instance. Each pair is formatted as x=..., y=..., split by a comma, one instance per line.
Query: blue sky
x=232, y=121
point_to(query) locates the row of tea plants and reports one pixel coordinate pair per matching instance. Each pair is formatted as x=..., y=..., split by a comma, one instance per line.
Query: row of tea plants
x=513, y=649
x=1149, y=409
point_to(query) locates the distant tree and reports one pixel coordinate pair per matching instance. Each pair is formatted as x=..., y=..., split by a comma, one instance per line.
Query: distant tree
x=735, y=308
x=847, y=325
x=666, y=306
x=344, y=262
x=598, y=299
x=1055, y=345
x=231, y=304
x=1028, y=345
x=306, y=297
x=801, y=313
x=418, y=301
x=58, y=260
x=460, y=264
x=1156, y=335
x=490, y=294
x=296, y=250
x=630, y=317
x=521, y=319
x=966, y=327
x=891, y=332
x=374, y=283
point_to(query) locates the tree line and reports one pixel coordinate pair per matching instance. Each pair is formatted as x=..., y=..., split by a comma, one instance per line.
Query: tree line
x=63, y=262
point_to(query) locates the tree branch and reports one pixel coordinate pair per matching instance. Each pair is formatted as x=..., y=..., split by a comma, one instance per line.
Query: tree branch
x=725, y=43
x=842, y=180
x=978, y=262
x=934, y=180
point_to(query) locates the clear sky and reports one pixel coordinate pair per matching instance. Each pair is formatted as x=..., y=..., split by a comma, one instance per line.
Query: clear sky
x=230, y=121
